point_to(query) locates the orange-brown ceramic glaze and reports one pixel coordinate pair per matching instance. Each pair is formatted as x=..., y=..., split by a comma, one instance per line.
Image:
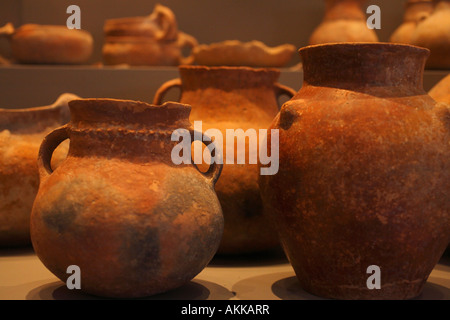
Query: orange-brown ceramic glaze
x=364, y=172
x=135, y=223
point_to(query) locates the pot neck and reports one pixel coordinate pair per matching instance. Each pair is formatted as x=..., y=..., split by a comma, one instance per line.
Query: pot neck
x=227, y=78
x=344, y=9
x=364, y=65
x=127, y=114
x=125, y=129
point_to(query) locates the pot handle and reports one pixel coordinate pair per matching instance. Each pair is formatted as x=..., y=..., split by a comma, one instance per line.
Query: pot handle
x=187, y=41
x=48, y=146
x=7, y=30
x=281, y=90
x=161, y=92
x=215, y=169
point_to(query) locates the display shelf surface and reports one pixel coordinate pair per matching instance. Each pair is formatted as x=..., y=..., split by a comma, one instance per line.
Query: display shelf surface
x=257, y=277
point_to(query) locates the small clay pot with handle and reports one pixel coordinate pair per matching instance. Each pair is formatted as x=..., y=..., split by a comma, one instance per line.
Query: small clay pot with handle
x=233, y=98
x=119, y=208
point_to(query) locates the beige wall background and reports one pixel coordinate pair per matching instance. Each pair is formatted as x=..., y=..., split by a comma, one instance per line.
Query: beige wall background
x=272, y=21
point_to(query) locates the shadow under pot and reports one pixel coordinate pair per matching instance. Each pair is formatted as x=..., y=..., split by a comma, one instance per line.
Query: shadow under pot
x=364, y=173
x=21, y=134
x=233, y=99
x=118, y=207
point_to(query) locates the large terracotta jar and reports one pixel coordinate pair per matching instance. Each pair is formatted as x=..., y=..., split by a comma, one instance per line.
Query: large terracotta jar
x=118, y=207
x=21, y=134
x=344, y=21
x=433, y=33
x=441, y=91
x=415, y=12
x=232, y=98
x=152, y=40
x=364, y=173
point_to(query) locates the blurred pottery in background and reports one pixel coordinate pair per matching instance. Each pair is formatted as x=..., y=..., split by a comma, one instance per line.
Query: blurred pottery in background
x=434, y=33
x=352, y=191
x=441, y=91
x=344, y=21
x=21, y=134
x=237, y=53
x=232, y=98
x=48, y=44
x=153, y=40
x=118, y=207
x=415, y=12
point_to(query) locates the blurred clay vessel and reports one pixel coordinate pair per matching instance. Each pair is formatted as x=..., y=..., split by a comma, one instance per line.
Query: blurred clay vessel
x=153, y=40
x=441, y=91
x=344, y=21
x=254, y=54
x=234, y=98
x=434, y=33
x=21, y=134
x=415, y=12
x=48, y=44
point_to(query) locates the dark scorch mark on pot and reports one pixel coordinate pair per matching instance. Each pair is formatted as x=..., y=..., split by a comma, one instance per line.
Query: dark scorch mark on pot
x=60, y=218
x=288, y=116
x=140, y=251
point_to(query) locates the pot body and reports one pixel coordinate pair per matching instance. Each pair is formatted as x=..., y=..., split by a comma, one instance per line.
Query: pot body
x=415, y=12
x=133, y=222
x=21, y=134
x=232, y=98
x=364, y=173
x=432, y=33
x=344, y=21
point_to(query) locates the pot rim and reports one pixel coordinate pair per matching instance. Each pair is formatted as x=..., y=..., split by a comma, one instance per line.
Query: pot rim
x=100, y=110
x=365, y=44
x=229, y=68
x=139, y=105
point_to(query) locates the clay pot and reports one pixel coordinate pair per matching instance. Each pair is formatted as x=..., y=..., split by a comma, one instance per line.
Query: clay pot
x=415, y=12
x=21, y=134
x=364, y=173
x=433, y=33
x=234, y=98
x=237, y=53
x=344, y=21
x=147, y=41
x=48, y=44
x=134, y=223
x=441, y=91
